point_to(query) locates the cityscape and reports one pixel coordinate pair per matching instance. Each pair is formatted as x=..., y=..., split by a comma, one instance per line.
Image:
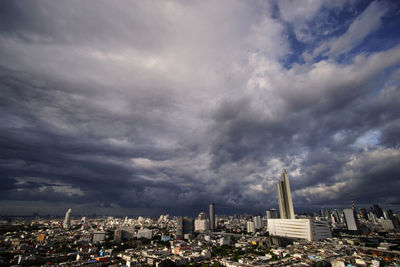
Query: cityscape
x=349, y=237
x=200, y=133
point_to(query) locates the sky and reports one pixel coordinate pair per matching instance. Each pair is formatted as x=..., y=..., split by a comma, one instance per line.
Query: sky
x=155, y=107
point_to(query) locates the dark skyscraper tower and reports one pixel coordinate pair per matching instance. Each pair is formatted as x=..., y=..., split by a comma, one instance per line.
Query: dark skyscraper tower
x=184, y=226
x=212, y=217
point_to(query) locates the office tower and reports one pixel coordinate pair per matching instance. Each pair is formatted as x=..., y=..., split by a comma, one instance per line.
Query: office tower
x=118, y=235
x=272, y=214
x=268, y=214
x=386, y=224
x=257, y=222
x=285, y=197
x=201, y=224
x=393, y=218
x=145, y=233
x=338, y=216
x=251, y=228
x=179, y=228
x=67, y=220
x=98, y=236
x=351, y=219
x=184, y=226
x=212, y=216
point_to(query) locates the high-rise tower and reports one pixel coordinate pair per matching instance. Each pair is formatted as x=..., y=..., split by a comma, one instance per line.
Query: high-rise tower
x=67, y=220
x=285, y=197
x=212, y=217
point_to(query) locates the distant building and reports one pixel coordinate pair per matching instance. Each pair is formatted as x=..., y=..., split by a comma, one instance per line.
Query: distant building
x=212, y=216
x=351, y=219
x=67, y=219
x=386, y=224
x=99, y=236
x=202, y=216
x=124, y=233
x=201, y=224
x=272, y=214
x=165, y=238
x=257, y=222
x=118, y=235
x=251, y=228
x=225, y=240
x=376, y=209
x=185, y=226
x=145, y=233
x=320, y=230
x=285, y=197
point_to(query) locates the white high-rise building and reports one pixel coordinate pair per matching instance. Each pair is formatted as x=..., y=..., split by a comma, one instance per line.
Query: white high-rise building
x=67, y=220
x=251, y=227
x=308, y=229
x=285, y=197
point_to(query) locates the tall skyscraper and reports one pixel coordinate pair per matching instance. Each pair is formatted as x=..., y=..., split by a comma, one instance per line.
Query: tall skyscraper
x=67, y=220
x=351, y=219
x=285, y=197
x=212, y=217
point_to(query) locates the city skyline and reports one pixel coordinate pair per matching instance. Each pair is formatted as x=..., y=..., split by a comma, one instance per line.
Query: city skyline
x=147, y=107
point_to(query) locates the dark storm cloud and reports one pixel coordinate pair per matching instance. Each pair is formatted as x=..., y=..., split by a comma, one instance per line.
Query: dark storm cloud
x=166, y=106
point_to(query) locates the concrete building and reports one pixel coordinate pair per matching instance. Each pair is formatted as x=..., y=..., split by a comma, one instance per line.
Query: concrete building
x=320, y=230
x=386, y=224
x=351, y=220
x=212, y=216
x=185, y=226
x=257, y=222
x=251, y=227
x=67, y=219
x=201, y=225
x=272, y=214
x=307, y=229
x=145, y=233
x=285, y=197
x=99, y=236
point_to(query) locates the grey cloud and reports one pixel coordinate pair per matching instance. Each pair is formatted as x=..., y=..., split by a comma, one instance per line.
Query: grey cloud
x=164, y=107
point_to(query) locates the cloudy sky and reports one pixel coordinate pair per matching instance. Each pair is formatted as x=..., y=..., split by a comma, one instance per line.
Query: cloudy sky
x=148, y=107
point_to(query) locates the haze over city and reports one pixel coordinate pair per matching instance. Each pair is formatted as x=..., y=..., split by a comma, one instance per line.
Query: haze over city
x=155, y=107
